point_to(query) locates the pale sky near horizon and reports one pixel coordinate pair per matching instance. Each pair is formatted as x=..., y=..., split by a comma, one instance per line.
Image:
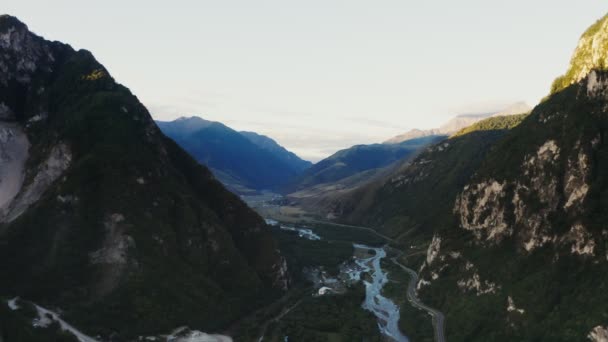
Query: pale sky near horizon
x=322, y=75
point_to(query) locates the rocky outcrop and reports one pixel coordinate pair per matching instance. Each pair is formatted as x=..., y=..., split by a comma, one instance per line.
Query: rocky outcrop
x=281, y=278
x=14, y=147
x=512, y=308
x=576, y=184
x=433, y=250
x=481, y=210
x=598, y=334
x=29, y=52
x=596, y=85
x=581, y=241
x=476, y=285
x=57, y=162
x=494, y=210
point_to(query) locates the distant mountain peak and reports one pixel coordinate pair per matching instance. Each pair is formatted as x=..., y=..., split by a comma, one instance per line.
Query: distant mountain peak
x=591, y=53
x=515, y=109
x=189, y=118
x=187, y=125
x=412, y=134
x=460, y=122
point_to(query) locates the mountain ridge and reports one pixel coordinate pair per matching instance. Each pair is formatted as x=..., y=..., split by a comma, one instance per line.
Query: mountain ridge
x=242, y=161
x=357, y=159
x=459, y=122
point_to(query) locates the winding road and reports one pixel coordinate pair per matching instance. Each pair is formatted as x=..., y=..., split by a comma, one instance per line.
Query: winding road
x=277, y=318
x=438, y=317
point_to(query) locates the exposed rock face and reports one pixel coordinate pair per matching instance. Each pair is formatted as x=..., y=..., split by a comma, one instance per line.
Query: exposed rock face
x=113, y=256
x=582, y=241
x=512, y=308
x=478, y=210
x=477, y=286
x=422, y=283
x=596, y=85
x=14, y=147
x=433, y=250
x=186, y=335
x=543, y=186
x=28, y=52
x=599, y=334
x=281, y=280
x=436, y=262
x=494, y=210
x=576, y=179
x=49, y=171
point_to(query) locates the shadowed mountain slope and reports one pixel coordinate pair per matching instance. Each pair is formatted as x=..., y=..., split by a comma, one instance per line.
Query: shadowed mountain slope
x=241, y=160
x=111, y=222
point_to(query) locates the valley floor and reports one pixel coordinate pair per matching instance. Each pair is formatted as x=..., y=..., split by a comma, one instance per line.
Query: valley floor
x=329, y=303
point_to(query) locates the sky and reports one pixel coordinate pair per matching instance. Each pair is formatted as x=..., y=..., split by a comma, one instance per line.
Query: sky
x=322, y=75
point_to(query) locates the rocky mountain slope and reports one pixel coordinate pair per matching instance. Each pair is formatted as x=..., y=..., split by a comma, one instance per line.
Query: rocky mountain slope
x=243, y=161
x=104, y=218
x=527, y=255
x=521, y=252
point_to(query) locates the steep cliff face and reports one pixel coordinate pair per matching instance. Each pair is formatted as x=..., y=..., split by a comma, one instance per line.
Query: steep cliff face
x=551, y=176
x=102, y=216
x=527, y=258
